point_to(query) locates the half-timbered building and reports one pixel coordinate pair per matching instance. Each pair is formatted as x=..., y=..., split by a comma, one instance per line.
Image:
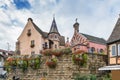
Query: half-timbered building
x=113, y=49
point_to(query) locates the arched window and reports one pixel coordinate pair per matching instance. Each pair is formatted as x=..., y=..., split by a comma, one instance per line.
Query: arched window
x=92, y=49
x=55, y=36
x=101, y=50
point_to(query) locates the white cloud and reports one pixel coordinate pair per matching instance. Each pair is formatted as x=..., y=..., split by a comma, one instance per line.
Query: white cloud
x=96, y=17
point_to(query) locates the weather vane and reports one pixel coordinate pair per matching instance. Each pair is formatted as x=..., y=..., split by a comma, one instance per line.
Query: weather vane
x=76, y=19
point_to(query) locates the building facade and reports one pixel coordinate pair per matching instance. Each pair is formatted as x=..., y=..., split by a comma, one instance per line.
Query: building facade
x=113, y=49
x=87, y=42
x=32, y=39
x=113, y=44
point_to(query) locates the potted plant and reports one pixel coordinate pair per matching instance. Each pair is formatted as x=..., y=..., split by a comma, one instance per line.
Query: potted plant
x=47, y=52
x=66, y=51
x=35, y=63
x=80, y=59
x=57, y=53
x=52, y=63
x=24, y=65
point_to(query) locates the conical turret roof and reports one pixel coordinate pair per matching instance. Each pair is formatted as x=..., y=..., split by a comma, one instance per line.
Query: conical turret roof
x=53, y=28
x=115, y=35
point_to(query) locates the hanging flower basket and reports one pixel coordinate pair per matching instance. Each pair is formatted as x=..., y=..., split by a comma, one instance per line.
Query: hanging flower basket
x=47, y=52
x=79, y=52
x=66, y=51
x=23, y=62
x=80, y=59
x=34, y=63
x=57, y=53
x=52, y=63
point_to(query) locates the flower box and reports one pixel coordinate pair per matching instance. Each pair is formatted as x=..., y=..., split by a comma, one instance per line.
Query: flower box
x=51, y=64
x=47, y=52
x=29, y=34
x=32, y=46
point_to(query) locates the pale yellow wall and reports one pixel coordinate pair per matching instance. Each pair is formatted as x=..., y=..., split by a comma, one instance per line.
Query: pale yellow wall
x=113, y=60
x=118, y=60
x=25, y=41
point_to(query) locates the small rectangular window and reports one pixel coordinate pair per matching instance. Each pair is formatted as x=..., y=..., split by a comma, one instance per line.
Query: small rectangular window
x=114, y=50
x=46, y=45
x=29, y=32
x=119, y=49
x=32, y=42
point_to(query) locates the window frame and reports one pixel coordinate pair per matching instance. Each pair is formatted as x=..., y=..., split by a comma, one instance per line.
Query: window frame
x=112, y=50
x=32, y=43
x=118, y=50
x=29, y=32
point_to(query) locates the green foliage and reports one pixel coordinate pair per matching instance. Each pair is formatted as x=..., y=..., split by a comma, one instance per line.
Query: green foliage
x=52, y=64
x=93, y=77
x=66, y=50
x=35, y=63
x=79, y=77
x=7, y=66
x=106, y=77
x=73, y=58
x=85, y=58
x=24, y=65
x=85, y=77
x=54, y=60
x=80, y=59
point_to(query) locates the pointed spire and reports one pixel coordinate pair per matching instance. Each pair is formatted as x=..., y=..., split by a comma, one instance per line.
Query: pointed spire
x=76, y=25
x=53, y=28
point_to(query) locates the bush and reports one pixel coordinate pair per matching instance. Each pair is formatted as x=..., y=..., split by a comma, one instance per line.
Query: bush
x=93, y=77
x=78, y=77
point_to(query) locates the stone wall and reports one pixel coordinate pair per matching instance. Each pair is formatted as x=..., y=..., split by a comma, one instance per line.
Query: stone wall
x=65, y=69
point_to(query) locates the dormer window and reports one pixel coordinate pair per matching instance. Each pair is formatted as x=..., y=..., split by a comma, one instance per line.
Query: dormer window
x=29, y=32
x=32, y=43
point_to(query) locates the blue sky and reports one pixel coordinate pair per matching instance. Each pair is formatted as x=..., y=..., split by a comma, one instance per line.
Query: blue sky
x=96, y=17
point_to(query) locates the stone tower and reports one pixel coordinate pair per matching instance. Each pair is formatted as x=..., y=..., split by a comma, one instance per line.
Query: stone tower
x=76, y=26
x=54, y=35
